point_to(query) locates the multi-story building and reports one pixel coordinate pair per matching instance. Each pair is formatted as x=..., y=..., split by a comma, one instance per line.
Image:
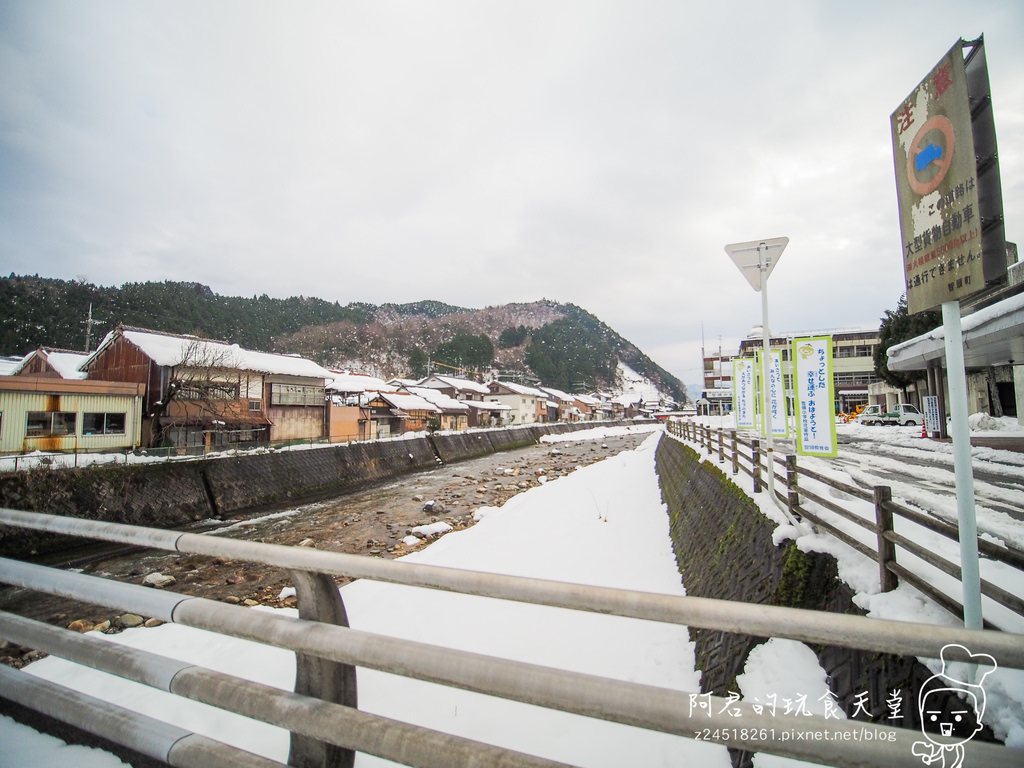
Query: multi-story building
x=853, y=363
x=717, y=382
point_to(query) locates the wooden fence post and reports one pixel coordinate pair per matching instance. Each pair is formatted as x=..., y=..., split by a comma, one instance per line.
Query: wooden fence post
x=792, y=488
x=886, y=549
x=721, y=448
x=735, y=453
x=755, y=445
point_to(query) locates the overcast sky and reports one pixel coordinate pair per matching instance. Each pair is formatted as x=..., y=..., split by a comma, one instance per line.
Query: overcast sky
x=480, y=153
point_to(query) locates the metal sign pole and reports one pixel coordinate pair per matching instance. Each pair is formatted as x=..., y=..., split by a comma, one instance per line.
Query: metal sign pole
x=970, y=576
x=762, y=265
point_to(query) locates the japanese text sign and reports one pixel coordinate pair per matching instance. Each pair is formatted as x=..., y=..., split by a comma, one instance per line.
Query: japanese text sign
x=937, y=188
x=743, y=392
x=773, y=395
x=812, y=384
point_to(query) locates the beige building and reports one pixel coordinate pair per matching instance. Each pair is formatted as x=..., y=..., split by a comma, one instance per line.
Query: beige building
x=527, y=405
x=48, y=413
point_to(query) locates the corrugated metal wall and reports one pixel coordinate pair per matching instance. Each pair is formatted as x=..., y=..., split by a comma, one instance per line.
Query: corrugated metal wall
x=15, y=407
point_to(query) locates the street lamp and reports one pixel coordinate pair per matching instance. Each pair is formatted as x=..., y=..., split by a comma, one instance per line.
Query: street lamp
x=756, y=259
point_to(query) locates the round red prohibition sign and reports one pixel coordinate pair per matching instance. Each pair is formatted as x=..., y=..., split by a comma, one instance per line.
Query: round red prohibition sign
x=920, y=159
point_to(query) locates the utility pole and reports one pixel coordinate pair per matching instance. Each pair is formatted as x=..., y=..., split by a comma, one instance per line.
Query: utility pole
x=88, y=330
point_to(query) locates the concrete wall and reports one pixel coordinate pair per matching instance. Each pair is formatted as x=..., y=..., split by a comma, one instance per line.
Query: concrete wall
x=724, y=548
x=171, y=495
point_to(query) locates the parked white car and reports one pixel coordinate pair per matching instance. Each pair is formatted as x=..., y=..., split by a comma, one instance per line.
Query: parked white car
x=903, y=414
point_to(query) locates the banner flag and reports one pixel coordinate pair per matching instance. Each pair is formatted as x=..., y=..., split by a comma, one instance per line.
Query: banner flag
x=815, y=396
x=773, y=394
x=744, y=396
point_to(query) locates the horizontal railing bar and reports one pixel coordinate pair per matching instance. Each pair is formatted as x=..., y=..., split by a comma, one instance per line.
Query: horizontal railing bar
x=852, y=490
x=697, y=612
x=922, y=586
x=844, y=537
x=849, y=743
x=336, y=724
x=833, y=507
x=994, y=591
x=145, y=735
x=1005, y=554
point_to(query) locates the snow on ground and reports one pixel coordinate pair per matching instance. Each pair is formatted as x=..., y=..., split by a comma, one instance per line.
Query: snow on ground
x=601, y=433
x=904, y=447
x=604, y=525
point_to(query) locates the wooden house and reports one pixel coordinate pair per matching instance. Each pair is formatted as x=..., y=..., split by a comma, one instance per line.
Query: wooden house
x=208, y=394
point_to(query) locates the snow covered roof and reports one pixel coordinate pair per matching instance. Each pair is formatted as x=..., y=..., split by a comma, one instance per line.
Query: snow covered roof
x=356, y=382
x=558, y=394
x=520, y=389
x=439, y=398
x=8, y=365
x=992, y=336
x=172, y=350
x=65, y=363
x=587, y=399
x=627, y=398
x=493, y=405
x=408, y=402
x=460, y=384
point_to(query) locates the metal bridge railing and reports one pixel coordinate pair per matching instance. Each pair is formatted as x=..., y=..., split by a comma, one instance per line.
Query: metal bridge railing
x=329, y=734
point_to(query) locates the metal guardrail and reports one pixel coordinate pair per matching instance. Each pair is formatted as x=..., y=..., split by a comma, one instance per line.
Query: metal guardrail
x=745, y=456
x=327, y=650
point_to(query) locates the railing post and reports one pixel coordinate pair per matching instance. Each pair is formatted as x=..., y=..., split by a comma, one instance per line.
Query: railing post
x=735, y=453
x=886, y=549
x=721, y=448
x=319, y=600
x=755, y=446
x=792, y=488
x=707, y=440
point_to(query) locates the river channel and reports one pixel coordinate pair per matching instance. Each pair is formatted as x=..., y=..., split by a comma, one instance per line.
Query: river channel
x=373, y=522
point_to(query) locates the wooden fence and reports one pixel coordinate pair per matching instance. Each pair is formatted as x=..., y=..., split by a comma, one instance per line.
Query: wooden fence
x=745, y=455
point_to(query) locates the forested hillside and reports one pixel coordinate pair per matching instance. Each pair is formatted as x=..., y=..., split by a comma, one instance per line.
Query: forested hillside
x=561, y=345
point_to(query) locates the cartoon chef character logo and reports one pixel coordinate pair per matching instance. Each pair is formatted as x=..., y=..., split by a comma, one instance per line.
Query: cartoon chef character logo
x=956, y=723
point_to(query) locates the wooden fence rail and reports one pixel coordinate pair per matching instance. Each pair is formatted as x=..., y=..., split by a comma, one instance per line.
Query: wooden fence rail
x=745, y=456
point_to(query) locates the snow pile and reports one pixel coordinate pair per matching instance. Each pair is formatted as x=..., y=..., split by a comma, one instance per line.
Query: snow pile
x=982, y=422
x=432, y=529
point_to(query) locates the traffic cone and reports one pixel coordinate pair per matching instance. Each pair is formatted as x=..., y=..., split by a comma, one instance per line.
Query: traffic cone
x=924, y=431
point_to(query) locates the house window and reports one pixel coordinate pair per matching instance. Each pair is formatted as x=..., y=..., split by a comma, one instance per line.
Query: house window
x=103, y=423
x=50, y=424
x=296, y=394
x=255, y=405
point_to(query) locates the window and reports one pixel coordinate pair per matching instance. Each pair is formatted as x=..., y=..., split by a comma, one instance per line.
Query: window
x=50, y=424
x=296, y=394
x=255, y=405
x=103, y=423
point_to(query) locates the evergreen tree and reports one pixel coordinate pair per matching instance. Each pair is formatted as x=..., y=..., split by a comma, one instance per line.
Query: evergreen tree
x=899, y=326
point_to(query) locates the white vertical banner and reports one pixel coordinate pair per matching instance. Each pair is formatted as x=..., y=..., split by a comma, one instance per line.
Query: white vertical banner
x=815, y=396
x=932, y=420
x=773, y=395
x=743, y=392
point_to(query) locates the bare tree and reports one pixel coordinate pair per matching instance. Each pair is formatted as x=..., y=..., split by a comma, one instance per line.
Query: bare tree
x=203, y=387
